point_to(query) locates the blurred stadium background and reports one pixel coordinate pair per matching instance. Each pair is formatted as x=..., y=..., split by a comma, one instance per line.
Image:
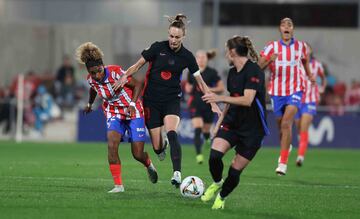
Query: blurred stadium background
x=39, y=36
x=52, y=174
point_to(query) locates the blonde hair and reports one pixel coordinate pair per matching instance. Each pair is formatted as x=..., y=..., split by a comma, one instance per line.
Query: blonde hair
x=87, y=52
x=178, y=21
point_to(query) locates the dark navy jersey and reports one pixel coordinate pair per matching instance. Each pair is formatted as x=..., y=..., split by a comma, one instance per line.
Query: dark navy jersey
x=246, y=119
x=163, y=77
x=210, y=77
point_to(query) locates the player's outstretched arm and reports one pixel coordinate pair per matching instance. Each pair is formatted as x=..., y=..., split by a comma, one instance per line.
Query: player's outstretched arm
x=130, y=71
x=205, y=89
x=136, y=87
x=246, y=100
x=92, y=96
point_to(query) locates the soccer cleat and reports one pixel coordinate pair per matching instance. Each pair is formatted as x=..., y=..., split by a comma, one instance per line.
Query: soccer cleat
x=299, y=161
x=290, y=149
x=281, y=169
x=162, y=155
x=117, y=189
x=219, y=203
x=176, y=179
x=152, y=173
x=210, y=192
x=199, y=158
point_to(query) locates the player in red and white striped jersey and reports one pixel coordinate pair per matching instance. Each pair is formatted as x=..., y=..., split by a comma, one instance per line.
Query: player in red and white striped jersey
x=307, y=109
x=284, y=59
x=122, y=108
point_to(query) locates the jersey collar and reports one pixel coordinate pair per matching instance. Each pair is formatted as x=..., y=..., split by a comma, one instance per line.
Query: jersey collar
x=291, y=42
x=106, y=74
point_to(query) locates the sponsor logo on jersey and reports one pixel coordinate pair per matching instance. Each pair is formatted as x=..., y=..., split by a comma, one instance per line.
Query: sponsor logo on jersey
x=166, y=75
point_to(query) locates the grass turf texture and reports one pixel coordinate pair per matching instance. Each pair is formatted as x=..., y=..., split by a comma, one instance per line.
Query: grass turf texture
x=44, y=180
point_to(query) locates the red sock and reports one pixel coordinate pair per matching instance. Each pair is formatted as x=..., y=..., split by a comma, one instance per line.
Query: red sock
x=284, y=154
x=147, y=162
x=304, y=140
x=115, y=170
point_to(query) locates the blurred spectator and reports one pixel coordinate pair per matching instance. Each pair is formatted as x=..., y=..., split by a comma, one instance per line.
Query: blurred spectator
x=352, y=96
x=44, y=109
x=65, y=84
x=31, y=82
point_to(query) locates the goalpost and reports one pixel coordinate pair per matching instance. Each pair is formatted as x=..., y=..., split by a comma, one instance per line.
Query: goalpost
x=20, y=109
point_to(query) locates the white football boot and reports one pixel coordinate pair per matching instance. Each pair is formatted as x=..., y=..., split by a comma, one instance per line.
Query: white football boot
x=162, y=155
x=300, y=161
x=176, y=179
x=117, y=189
x=281, y=169
x=152, y=173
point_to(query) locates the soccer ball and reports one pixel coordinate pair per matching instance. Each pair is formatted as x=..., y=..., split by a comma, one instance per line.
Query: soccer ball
x=192, y=187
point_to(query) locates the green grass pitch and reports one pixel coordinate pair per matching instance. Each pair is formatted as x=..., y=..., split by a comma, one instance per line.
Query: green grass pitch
x=53, y=180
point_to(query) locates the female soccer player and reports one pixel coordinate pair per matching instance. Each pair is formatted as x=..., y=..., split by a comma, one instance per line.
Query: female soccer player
x=244, y=126
x=167, y=60
x=307, y=109
x=200, y=112
x=285, y=59
x=123, y=110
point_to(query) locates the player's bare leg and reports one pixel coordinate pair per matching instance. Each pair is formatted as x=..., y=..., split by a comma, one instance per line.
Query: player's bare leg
x=305, y=123
x=137, y=150
x=114, y=161
x=158, y=144
x=285, y=141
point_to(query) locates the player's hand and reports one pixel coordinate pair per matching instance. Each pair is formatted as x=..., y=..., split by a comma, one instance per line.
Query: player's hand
x=216, y=109
x=211, y=98
x=321, y=89
x=87, y=109
x=131, y=111
x=312, y=79
x=120, y=83
x=273, y=57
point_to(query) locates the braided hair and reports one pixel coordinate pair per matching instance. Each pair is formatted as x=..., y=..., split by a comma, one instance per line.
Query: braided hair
x=243, y=47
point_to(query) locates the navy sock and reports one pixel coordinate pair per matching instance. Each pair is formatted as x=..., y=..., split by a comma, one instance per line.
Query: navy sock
x=175, y=150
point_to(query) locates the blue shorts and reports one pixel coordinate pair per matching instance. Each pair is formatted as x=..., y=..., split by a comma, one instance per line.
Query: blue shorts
x=306, y=108
x=135, y=128
x=280, y=102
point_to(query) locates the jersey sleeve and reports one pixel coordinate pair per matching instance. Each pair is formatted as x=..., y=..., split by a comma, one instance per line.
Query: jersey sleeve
x=321, y=70
x=267, y=51
x=149, y=54
x=305, y=51
x=216, y=78
x=192, y=65
x=253, y=80
x=190, y=79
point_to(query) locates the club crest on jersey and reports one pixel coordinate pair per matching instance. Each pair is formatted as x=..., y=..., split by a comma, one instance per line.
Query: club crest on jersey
x=166, y=75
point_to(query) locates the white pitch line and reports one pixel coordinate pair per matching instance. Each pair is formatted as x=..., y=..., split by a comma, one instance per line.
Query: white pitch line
x=141, y=181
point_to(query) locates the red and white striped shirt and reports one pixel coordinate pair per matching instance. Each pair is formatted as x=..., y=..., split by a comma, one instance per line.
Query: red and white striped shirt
x=311, y=93
x=286, y=77
x=115, y=103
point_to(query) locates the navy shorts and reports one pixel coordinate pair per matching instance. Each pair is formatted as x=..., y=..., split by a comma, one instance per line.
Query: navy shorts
x=246, y=146
x=306, y=108
x=135, y=128
x=279, y=103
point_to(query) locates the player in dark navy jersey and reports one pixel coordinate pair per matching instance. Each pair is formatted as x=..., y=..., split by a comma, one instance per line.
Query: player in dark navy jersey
x=201, y=115
x=244, y=125
x=162, y=91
